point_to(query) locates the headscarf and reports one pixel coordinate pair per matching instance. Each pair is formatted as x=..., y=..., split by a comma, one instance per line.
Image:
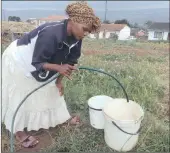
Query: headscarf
x=81, y=13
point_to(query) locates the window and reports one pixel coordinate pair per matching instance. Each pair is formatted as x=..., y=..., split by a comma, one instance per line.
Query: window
x=158, y=34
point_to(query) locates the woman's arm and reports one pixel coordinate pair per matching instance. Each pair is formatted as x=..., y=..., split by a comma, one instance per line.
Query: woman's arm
x=64, y=70
x=44, y=49
x=59, y=79
x=53, y=67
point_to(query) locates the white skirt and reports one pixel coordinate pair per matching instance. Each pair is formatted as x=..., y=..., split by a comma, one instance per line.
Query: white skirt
x=43, y=109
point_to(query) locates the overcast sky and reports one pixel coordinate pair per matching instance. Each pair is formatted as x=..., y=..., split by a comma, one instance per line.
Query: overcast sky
x=97, y=5
x=134, y=11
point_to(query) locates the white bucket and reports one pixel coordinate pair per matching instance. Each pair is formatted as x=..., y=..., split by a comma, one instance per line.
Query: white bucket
x=96, y=105
x=120, y=115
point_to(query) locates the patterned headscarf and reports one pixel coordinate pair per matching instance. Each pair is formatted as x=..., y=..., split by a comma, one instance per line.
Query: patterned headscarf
x=80, y=12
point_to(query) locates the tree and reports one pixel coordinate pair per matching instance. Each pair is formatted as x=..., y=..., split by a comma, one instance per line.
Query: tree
x=18, y=19
x=148, y=23
x=14, y=18
x=29, y=21
x=106, y=22
x=135, y=25
x=114, y=36
x=123, y=21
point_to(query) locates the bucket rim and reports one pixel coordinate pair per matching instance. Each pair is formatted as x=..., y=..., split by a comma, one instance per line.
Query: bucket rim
x=116, y=120
x=102, y=104
x=135, y=121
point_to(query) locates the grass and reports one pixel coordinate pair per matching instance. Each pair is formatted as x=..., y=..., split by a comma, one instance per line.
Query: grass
x=134, y=58
x=145, y=79
x=110, y=44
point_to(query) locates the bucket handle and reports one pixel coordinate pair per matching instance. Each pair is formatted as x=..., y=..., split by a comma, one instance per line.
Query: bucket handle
x=125, y=131
x=95, y=108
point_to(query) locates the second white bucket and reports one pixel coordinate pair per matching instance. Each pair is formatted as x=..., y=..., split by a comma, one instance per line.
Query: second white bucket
x=96, y=105
x=123, y=121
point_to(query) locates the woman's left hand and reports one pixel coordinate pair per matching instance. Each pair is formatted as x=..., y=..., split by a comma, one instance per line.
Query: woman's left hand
x=60, y=88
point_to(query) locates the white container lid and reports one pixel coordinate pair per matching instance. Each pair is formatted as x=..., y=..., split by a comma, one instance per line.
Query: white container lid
x=98, y=102
x=122, y=110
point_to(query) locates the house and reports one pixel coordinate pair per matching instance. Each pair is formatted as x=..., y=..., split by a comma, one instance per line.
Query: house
x=108, y=30
x=158, y=31
x=134, y=31
x=139, y=33
x=52, y=18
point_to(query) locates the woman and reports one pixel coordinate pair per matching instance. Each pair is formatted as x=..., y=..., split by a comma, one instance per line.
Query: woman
x=32, y=60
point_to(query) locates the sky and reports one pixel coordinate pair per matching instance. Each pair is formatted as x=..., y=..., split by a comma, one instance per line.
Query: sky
x=135, y=11
x=97, y=5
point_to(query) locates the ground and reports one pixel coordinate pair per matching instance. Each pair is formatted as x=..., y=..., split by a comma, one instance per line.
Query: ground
x=143, y=69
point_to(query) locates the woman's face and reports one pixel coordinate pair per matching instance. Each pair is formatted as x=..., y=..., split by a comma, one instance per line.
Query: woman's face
x=81, y=30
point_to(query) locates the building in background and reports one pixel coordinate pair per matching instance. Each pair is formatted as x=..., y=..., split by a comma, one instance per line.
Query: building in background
x=109, y=30
x=139, y=33
x=159, y=31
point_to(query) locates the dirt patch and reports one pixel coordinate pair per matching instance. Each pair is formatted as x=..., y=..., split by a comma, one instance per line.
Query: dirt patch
x=137, y=51
x=44, y=137
x=93, y=52
x=45, y=140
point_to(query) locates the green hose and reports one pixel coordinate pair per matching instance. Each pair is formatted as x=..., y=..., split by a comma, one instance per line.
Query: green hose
x=50, y=80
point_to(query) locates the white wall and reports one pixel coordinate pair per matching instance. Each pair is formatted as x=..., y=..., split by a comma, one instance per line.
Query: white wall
x=151, y=35
x=124, y=33
x=165, y=36
x=92, y=36
x=107, y=34
x=41, y=22
x=101, y=35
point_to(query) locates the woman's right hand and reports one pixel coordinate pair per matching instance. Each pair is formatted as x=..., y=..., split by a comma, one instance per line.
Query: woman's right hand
x=66, y=70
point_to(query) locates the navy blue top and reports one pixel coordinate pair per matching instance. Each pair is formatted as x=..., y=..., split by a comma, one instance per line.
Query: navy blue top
x=52, y=45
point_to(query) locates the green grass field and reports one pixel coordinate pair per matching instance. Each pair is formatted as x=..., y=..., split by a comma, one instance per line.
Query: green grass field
x=143, y=70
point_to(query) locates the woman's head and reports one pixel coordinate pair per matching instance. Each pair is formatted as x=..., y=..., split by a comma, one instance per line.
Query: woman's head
x=82, y=19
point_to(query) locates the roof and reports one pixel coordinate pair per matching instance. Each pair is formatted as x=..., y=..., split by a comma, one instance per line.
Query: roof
x=112, y=27
x=159, y=26
x=54, y=18
x=135, y=30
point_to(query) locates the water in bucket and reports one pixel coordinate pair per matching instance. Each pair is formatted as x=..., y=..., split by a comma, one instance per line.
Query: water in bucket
x=96, y=105
x=122, y=123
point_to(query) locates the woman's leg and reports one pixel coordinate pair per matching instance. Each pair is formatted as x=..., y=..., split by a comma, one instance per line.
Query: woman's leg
x=74, y=120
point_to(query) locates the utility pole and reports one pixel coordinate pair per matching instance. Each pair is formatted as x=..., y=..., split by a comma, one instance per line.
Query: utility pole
x=105, y=11
x=3, y=11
